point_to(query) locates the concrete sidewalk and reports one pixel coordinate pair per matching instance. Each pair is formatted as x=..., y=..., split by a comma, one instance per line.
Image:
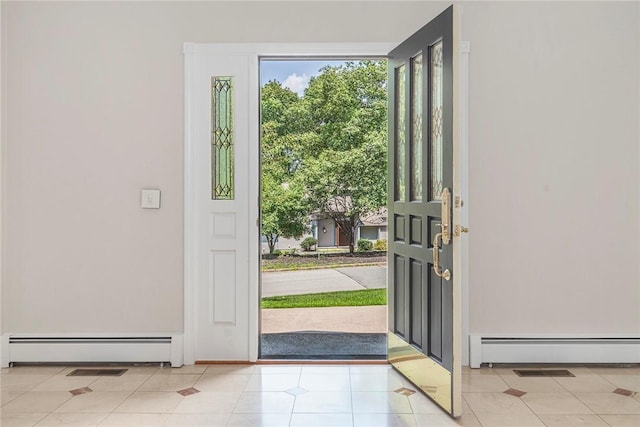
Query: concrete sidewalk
x=365, y=319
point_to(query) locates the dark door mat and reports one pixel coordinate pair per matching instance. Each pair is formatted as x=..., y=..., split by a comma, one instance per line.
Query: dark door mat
x=96, y=372
x=543, y=373
x=323, y=345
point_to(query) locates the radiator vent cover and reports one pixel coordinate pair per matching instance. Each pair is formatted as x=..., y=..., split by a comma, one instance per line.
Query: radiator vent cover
x=543, y=373
x=96, y=372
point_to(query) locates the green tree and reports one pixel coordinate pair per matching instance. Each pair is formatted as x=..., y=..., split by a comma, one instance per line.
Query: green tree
x=348, y=185
x=276, y=102
x=283, y=131
x=328, y=148
x=345, y=165
x=346, y=103
x=284, y=207
x=284, y=210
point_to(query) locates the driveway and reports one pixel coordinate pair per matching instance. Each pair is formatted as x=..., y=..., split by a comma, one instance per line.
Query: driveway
x=276, y=283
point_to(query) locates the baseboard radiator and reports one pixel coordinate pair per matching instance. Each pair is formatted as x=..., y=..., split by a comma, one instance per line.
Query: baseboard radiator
x=98, y=348
x=488, y=348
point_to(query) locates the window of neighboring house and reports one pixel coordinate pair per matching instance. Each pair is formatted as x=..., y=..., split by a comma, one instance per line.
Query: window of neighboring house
x=370, y=233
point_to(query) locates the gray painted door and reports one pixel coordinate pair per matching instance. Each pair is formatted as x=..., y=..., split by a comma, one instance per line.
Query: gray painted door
x=421, y=137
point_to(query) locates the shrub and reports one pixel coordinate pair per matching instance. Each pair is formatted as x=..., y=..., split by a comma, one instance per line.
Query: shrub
x=380, y=245
x=364, y=245
x=308, y=243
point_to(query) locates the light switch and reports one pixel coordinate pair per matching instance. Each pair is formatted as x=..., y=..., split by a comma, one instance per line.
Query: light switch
x=150, y=199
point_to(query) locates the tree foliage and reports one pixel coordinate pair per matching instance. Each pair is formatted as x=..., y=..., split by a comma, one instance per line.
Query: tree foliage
x=345, y=104
x=327, y=147
x=348, y=185
x=285, y=212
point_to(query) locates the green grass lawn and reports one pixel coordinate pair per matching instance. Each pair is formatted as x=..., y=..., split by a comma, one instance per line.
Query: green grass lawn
x=328, y=299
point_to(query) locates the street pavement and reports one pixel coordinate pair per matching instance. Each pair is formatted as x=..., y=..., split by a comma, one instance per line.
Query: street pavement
x=370, y=277
x=276, y=283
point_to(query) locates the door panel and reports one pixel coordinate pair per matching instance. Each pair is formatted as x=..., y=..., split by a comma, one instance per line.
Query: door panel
x=221, y=221
x=422, y=341
x=416, y=304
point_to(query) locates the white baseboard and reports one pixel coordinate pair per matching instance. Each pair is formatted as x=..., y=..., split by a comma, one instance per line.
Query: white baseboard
x=92, y=348
x=495, y=348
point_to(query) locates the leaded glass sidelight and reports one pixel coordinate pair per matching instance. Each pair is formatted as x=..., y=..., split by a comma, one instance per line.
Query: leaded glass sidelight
x=436, y=120
x=416, y=127
x=400, y=144
x=222, y=138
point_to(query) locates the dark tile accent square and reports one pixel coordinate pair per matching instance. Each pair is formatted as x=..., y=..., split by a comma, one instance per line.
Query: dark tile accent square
x=188, y=391
x=405, y=391
x=79, y=391
x=515, y=392
x=624, y=392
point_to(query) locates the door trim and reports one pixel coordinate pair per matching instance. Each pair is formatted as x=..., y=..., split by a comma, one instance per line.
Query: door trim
x=255, y=51
x=465, y=49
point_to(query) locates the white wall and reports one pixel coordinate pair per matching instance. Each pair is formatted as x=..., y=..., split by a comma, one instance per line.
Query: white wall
x=554, y=167
x=329, y=237
x=94, y=98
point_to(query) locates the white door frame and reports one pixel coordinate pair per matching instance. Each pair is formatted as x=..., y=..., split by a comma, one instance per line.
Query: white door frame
x=254, y=51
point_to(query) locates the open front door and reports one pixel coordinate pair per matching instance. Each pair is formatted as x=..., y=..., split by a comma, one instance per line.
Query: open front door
x=424, y=259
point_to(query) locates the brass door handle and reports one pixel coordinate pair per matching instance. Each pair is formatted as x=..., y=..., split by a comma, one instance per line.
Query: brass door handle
x=445, y=234
x=446, y=274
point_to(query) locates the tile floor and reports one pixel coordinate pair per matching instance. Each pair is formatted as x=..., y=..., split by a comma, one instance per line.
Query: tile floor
x=312, y=395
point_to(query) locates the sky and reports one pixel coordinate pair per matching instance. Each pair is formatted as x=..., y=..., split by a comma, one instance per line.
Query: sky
x=294, y=75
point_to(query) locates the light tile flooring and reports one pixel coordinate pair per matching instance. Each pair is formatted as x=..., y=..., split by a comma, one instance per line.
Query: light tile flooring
x=312, y=395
